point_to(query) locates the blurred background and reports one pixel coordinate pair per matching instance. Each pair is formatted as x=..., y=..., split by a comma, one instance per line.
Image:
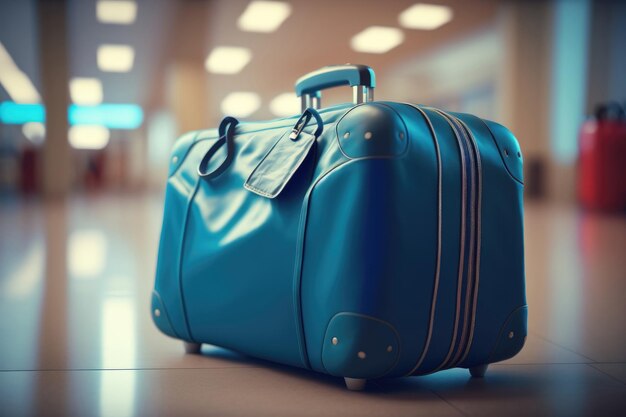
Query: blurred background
x=93, y=94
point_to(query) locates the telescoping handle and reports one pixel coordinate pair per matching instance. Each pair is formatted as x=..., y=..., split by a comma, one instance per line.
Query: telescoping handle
x=360, y=77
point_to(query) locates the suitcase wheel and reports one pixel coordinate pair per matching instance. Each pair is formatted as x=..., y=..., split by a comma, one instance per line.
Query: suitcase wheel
x=355, y=384
x=478, y=371
x=193, y=348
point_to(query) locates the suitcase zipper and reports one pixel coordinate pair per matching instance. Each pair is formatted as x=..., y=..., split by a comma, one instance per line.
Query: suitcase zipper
x=472, y=273
x=478, y=224
x=465, y=242
x=438, y=260
x=463, y=152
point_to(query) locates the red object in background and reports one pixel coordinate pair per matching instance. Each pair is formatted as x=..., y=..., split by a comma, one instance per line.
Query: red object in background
x=28, y=170
x=94, y=176
x=602, y=163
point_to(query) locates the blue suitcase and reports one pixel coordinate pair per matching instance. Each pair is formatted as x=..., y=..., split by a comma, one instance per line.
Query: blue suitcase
x=366, y=240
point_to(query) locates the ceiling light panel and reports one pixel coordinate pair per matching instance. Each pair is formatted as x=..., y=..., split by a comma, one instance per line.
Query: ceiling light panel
x=241, y=104
x=377, y=39
x=227, y=59
x=16, y=83
x=119, y=12
x=264, y=16
x=425, y=16
x=285, y=104
x=86, y=91
x=19, y=86
x=116, y=58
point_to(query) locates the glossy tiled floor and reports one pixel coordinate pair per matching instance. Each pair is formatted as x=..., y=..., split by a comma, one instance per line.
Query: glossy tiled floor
x=76, y=337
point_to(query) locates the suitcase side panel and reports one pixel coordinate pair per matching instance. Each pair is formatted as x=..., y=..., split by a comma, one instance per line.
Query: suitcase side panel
x=237, y=258
x=215, y=269
x=501, y=297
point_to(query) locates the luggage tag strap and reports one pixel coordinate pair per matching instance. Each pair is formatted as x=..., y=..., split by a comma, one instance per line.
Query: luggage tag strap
x=304, y=120
x=227, y=136
x=279, y=165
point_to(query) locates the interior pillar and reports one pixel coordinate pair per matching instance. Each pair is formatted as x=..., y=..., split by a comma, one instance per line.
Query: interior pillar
x=56, y=161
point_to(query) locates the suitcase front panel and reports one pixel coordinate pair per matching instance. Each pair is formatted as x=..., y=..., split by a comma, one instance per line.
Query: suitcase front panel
x=379, y=259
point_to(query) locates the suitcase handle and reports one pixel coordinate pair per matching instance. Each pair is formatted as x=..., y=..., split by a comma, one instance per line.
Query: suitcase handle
x=226, y=133
x=360, y=77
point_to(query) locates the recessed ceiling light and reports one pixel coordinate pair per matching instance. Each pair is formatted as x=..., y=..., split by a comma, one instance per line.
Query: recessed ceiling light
x=35, y=132
x=264, y=16
x=116, y=58
x=425, y=16
x=89, y=136
x=19, y=87
x=285, y=104
x=227, y=59
x=86, y=91
x=16, y=83
x=377, y=39
x=241, y=104
x=121, y=12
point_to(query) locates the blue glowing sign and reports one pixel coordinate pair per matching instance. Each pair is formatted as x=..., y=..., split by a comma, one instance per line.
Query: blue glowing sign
x=113, y=116
x=16, y=114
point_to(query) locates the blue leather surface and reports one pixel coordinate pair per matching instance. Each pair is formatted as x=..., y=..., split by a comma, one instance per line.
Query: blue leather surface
x=359, y=346
x=512, y=336
x=354, y=231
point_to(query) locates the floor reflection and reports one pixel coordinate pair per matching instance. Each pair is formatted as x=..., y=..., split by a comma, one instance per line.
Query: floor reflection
x=78, y=338
x=117, y=394
x=118, y=333
x=87, y=253
x=565, y=283
x=25, y=279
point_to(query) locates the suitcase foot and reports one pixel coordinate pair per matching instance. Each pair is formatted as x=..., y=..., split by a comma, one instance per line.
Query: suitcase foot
x=355, y=384
x=191, y=347
x=478, y=371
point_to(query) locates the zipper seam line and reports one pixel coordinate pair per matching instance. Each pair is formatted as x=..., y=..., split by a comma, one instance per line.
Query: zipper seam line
x=478, y=243
x=439, y=215
x=471, y=255
x=180, y=261
x=462, y=245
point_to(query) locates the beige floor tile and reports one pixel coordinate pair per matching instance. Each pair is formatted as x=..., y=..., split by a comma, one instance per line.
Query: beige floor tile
x=616, y=370
x=524, y=390
x=576, y=279
x=275, y=392
x=538, y=350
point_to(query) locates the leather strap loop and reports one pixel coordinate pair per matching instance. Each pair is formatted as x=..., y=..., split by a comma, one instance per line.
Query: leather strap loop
x=227, y=136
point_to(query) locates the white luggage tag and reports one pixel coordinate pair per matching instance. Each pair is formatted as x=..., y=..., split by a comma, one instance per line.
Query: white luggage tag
x=275, y=170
